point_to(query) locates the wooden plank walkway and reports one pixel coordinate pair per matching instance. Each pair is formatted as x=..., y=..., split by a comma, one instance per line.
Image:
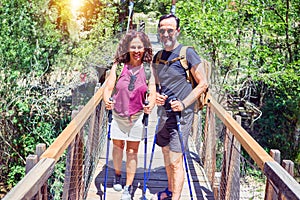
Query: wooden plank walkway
x=158, y=179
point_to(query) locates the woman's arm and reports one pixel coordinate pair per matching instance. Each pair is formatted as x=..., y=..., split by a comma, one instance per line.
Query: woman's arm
x=152, y=93
x=109, y=87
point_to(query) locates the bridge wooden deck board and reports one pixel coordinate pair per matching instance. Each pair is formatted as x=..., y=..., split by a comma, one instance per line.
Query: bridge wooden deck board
x=158, y=178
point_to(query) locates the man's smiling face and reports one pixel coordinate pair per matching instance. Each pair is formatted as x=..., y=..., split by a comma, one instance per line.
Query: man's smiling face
x=168, y=32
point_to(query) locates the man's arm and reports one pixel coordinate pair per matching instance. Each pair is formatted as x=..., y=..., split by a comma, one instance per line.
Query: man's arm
x=198, y=72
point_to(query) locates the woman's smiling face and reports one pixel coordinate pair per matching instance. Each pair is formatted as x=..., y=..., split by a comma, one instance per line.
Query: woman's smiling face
x=136, y=50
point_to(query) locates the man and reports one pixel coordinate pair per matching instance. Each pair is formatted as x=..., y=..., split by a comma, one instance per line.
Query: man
x=175, y=96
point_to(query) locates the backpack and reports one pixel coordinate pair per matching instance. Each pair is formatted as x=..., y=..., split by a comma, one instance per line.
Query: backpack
x=184, y=63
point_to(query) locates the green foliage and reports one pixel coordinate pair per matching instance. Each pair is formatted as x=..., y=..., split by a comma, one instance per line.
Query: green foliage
x=21, y=43
x=278, y=126
x=97, y=47
x=57, y=180
x=260, y=39
x=16, y=172
x=37, y=39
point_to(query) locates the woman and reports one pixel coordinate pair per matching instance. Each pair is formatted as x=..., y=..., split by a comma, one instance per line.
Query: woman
x=128, y=100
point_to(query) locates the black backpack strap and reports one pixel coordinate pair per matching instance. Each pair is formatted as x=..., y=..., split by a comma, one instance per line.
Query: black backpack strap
x=158, y=57
x=147, y=71
x=119, y=70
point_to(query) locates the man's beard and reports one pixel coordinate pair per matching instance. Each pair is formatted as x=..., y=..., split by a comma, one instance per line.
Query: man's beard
x=168, y=42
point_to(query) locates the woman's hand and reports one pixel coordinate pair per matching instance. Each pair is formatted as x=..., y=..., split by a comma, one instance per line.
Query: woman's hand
x=109, y=104
x=147, y=109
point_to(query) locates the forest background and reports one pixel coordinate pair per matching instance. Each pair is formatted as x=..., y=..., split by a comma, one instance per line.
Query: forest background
x=49, y=47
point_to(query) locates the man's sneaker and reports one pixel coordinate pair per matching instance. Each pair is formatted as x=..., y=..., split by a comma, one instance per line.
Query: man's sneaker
x=127, y=193
x=117, y=183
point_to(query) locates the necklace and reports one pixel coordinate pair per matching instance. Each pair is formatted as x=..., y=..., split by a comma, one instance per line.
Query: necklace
x=134, y=69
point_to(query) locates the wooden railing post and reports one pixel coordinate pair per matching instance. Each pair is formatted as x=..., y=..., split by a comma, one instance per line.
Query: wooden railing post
x=74, y=169
x=288, y=165
x=225, y=163
x=271, y=190
x=197, y=129
x=31, y=161
x=91, y=147
x=210, y=146
x=230, y=175
x=216, y=186
x=233, y=179
x=43, y=193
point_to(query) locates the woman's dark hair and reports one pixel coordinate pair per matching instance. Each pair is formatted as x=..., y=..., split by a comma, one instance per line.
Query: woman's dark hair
x=122, y=54
x=170, y=16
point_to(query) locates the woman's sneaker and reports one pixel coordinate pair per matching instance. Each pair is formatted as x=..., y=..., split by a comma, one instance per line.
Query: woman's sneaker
x=127, y=193
x=117, y=183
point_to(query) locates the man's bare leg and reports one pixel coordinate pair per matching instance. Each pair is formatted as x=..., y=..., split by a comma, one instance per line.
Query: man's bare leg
x=175, y=173
x=167, y=161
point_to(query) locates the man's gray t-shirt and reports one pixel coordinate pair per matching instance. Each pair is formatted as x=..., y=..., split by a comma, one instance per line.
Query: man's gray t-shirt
x=173, y=78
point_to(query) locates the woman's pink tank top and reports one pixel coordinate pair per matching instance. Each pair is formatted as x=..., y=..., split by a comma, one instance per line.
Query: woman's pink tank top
x=128, y=103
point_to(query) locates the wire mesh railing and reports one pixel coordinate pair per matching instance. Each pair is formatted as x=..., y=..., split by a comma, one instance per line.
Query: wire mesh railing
x=230, y=158
x=83, y=155
x=236, y=164
x=65, y=170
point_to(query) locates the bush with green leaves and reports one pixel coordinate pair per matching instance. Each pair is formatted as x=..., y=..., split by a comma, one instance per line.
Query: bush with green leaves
x=256, y=39
x=37, y=40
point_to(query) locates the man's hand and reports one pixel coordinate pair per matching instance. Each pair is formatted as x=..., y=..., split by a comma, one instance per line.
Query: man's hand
x=161, y=99
x=177, y=106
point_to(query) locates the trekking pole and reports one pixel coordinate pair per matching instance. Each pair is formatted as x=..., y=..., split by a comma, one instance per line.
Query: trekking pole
x=153, y=147
x=145, y=120
x=159, y=112
x=107, y=150
x=183, y=152
x=129, y=15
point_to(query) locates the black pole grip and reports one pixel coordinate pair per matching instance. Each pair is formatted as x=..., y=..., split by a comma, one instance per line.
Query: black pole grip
x=146, y=116
x=109, y=116
x=177, y=118
x=110, y=112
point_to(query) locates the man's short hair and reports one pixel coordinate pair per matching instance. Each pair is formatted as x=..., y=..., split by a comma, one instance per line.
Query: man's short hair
x=169, y=16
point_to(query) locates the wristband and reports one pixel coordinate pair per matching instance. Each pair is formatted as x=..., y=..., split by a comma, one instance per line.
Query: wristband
x=182, y=105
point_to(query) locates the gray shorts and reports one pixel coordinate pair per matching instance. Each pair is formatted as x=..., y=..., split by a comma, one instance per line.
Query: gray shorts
x=168, y=132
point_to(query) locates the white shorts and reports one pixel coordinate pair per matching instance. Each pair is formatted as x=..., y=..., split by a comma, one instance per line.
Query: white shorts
x=129, y=129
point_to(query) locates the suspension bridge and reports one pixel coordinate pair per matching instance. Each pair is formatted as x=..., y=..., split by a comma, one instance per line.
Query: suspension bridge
x=215, y=160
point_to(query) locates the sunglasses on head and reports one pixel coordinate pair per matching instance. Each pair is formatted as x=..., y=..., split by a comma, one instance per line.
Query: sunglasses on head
x=131, y=83
x=169, y=31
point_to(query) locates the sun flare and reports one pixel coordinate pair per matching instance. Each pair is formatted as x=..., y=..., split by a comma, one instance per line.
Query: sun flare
x=76, y=4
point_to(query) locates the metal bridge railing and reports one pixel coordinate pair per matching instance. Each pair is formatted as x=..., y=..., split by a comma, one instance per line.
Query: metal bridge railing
x=65, y=170
x=224, y=162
